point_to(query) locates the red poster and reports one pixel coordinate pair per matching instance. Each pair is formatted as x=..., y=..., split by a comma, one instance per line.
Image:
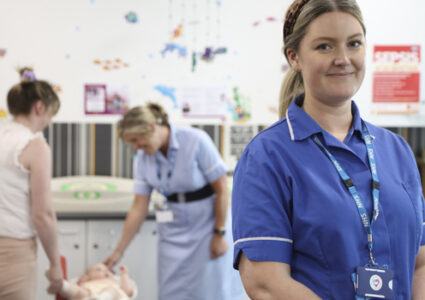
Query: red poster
x=396, y=78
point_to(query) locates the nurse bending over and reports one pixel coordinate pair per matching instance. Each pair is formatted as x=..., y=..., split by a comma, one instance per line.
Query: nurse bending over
x=325, y=204
x=184, y=166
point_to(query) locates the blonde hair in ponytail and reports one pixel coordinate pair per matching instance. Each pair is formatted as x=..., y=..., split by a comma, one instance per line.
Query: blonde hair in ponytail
x=292, y=85
x=138, y=119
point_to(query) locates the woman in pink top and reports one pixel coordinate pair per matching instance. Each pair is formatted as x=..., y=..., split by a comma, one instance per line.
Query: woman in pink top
x=26, y=209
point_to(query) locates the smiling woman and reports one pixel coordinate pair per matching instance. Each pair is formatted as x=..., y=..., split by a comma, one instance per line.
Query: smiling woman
x=331, y=59
x=146, y=128
x=320, y=200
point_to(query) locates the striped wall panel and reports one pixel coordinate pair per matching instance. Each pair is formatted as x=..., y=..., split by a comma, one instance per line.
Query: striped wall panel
x=103, y=159
x=88, y=149
x=95, y=149
x=124, y=162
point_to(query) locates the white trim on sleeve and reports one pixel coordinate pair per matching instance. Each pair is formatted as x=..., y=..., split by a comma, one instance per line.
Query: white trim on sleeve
x=212, y=168
x=263, y=238
x=140, y=182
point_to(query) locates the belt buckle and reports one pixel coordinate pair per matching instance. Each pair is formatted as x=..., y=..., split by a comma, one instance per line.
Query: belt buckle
x=181, y=197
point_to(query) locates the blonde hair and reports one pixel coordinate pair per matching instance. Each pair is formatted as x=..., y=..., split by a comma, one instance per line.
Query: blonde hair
x=22, y=96
x=292, y=84
x=138, y=119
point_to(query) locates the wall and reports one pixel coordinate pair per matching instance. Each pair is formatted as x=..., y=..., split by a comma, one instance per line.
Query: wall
x=63, y=40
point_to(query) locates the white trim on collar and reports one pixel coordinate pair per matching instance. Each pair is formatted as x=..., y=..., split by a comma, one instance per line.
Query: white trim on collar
x=291, y=131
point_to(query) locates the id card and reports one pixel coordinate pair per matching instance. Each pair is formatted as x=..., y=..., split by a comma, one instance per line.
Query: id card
x=163, y=216
x=159, y=200
x=374, y=282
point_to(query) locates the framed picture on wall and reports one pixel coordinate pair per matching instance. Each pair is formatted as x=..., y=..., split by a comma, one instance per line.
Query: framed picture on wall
x=106, y=99
x=94, y=99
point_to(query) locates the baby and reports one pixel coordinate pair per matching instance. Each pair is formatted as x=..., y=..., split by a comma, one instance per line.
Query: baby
x=98, y=283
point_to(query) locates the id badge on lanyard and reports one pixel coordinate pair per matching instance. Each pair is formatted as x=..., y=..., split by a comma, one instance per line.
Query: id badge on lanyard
x=371, y=280
x=164, y=216
x=163, y=213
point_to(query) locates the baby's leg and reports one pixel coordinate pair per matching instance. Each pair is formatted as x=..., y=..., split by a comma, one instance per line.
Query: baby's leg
x=125, y=282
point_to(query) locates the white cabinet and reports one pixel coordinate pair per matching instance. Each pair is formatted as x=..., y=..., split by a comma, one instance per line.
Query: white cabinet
x=86, y=242
x=140, y=257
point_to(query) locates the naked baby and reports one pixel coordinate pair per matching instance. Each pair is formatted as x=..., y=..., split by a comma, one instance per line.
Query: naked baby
x=99, y=283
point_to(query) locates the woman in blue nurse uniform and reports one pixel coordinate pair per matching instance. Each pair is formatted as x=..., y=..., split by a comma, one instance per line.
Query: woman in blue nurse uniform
x=184, y=166
x=326, y=205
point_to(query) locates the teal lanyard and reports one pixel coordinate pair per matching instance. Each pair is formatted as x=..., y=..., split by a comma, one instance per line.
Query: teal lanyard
x=352, y=188
x=164, y=187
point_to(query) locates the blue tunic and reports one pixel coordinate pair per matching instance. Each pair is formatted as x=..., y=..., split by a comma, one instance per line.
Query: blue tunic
x=289, y=204
x=185, y=268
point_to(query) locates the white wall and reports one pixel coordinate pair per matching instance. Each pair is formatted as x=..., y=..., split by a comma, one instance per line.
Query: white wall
x=62, y=38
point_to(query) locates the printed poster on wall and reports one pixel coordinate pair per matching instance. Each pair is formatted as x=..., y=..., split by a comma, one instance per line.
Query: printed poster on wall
x=106, y=99
x=396, y=78
x=203, y=101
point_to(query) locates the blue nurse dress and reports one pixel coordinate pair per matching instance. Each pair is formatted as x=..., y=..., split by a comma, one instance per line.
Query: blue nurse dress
x=291, y=206
x=185, y=268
